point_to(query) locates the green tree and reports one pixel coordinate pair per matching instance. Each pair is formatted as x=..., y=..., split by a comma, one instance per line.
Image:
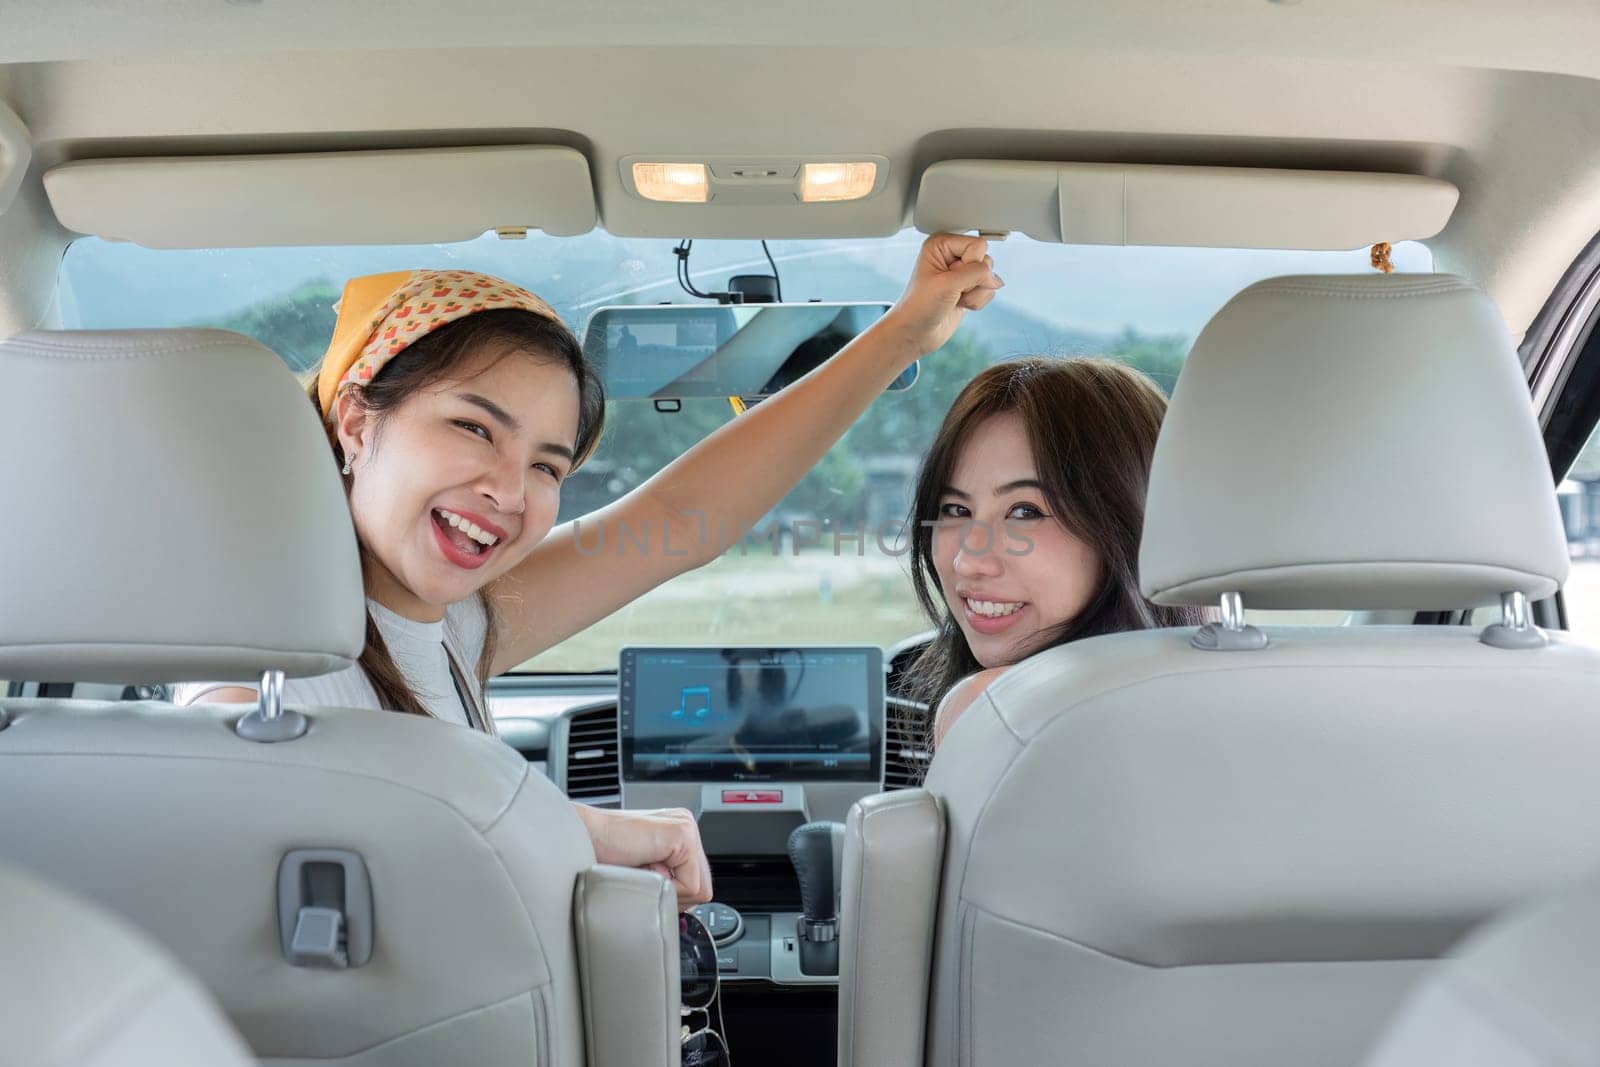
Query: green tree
x=639, y=439
x=905, y=422
x=834, y=488
x=1161, y=357
x=297, y=326
x=900, y=423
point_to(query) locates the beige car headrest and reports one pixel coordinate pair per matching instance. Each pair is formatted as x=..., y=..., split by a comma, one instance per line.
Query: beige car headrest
x=179, y=513
x=1352, y=442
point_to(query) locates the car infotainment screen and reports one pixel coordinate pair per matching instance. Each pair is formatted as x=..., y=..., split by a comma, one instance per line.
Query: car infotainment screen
x=751, y=714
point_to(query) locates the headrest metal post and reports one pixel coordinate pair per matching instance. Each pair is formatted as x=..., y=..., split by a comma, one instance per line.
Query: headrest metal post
x=1233, y=612
x=1232, y=633
x=270, y=705
x=271, y=721
x=1515, y=630
x=1514, y=610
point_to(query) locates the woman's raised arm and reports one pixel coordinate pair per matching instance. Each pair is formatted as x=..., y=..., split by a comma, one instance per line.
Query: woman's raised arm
x=711, y=495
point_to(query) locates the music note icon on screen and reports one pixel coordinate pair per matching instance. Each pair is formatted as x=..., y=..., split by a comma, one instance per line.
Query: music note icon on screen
x=694, y=702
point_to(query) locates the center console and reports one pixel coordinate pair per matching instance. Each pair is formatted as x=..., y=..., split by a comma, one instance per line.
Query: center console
x=758, y=742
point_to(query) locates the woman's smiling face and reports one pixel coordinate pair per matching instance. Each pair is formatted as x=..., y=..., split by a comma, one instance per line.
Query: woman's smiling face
x=1010, y=571
x=454, y=487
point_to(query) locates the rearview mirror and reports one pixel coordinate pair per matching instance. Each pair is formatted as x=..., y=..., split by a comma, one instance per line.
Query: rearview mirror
x=721, y=350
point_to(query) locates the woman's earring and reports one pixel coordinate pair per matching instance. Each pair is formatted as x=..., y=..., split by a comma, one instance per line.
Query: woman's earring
x=349, y=462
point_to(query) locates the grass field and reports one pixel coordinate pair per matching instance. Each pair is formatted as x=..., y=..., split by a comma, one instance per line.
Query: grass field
x=812, y=598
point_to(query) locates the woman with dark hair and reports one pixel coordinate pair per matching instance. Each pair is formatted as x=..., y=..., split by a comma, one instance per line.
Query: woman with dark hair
x=1027, y=518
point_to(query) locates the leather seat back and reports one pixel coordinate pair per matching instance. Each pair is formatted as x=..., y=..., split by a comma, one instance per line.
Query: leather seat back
x=1520, y=992
x=1185, y=859
x=79, y=988
x=168, y=817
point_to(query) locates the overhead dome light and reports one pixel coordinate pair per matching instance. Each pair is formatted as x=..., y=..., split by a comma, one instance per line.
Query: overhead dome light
x=837, y=181
x=677, y=183
x=738, y=182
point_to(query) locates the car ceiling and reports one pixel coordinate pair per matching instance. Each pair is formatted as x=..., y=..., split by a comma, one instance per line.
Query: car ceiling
x=1501, y=98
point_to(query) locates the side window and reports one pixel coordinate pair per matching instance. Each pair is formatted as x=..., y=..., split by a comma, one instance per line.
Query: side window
x=1579, y=498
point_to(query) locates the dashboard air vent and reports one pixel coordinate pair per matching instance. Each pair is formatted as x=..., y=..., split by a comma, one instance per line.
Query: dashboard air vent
x=906, y=752
x=594, y=767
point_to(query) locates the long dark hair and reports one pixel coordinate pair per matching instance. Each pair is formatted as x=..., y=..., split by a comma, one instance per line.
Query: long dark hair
x=434, y=358
x=1091, y=425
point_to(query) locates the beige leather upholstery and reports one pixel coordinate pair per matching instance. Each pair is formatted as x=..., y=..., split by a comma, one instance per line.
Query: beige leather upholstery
x=893, y=847
x=1354, y=443
x=198, y=528
x=1519, y=993
x=630, y=1000
x=166, y=816
x=79, y=988
x=1131, y=820
x=1161, y=854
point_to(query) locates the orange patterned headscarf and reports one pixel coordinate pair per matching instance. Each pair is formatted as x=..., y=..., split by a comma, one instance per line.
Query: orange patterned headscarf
x=381, y=314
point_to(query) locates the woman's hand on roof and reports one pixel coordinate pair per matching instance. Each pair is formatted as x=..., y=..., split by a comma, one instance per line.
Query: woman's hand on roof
x=954, y=274
x=666, y=841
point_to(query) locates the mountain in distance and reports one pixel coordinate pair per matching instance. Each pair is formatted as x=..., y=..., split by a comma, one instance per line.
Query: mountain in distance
x=1003, y=327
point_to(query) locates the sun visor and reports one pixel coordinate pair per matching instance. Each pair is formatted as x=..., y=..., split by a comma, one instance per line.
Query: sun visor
x=1214, y=207
x=407, y=196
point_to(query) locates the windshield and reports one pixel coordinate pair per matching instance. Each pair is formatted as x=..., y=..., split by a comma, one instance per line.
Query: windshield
x=829, y=564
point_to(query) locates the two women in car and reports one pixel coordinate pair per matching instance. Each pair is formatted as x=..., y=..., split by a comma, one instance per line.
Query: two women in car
x=455, y=405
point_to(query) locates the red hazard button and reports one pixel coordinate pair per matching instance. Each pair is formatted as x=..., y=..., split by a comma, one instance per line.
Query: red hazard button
x=752, y=796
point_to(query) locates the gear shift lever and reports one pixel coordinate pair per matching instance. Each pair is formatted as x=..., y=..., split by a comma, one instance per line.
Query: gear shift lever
x=811, y=850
